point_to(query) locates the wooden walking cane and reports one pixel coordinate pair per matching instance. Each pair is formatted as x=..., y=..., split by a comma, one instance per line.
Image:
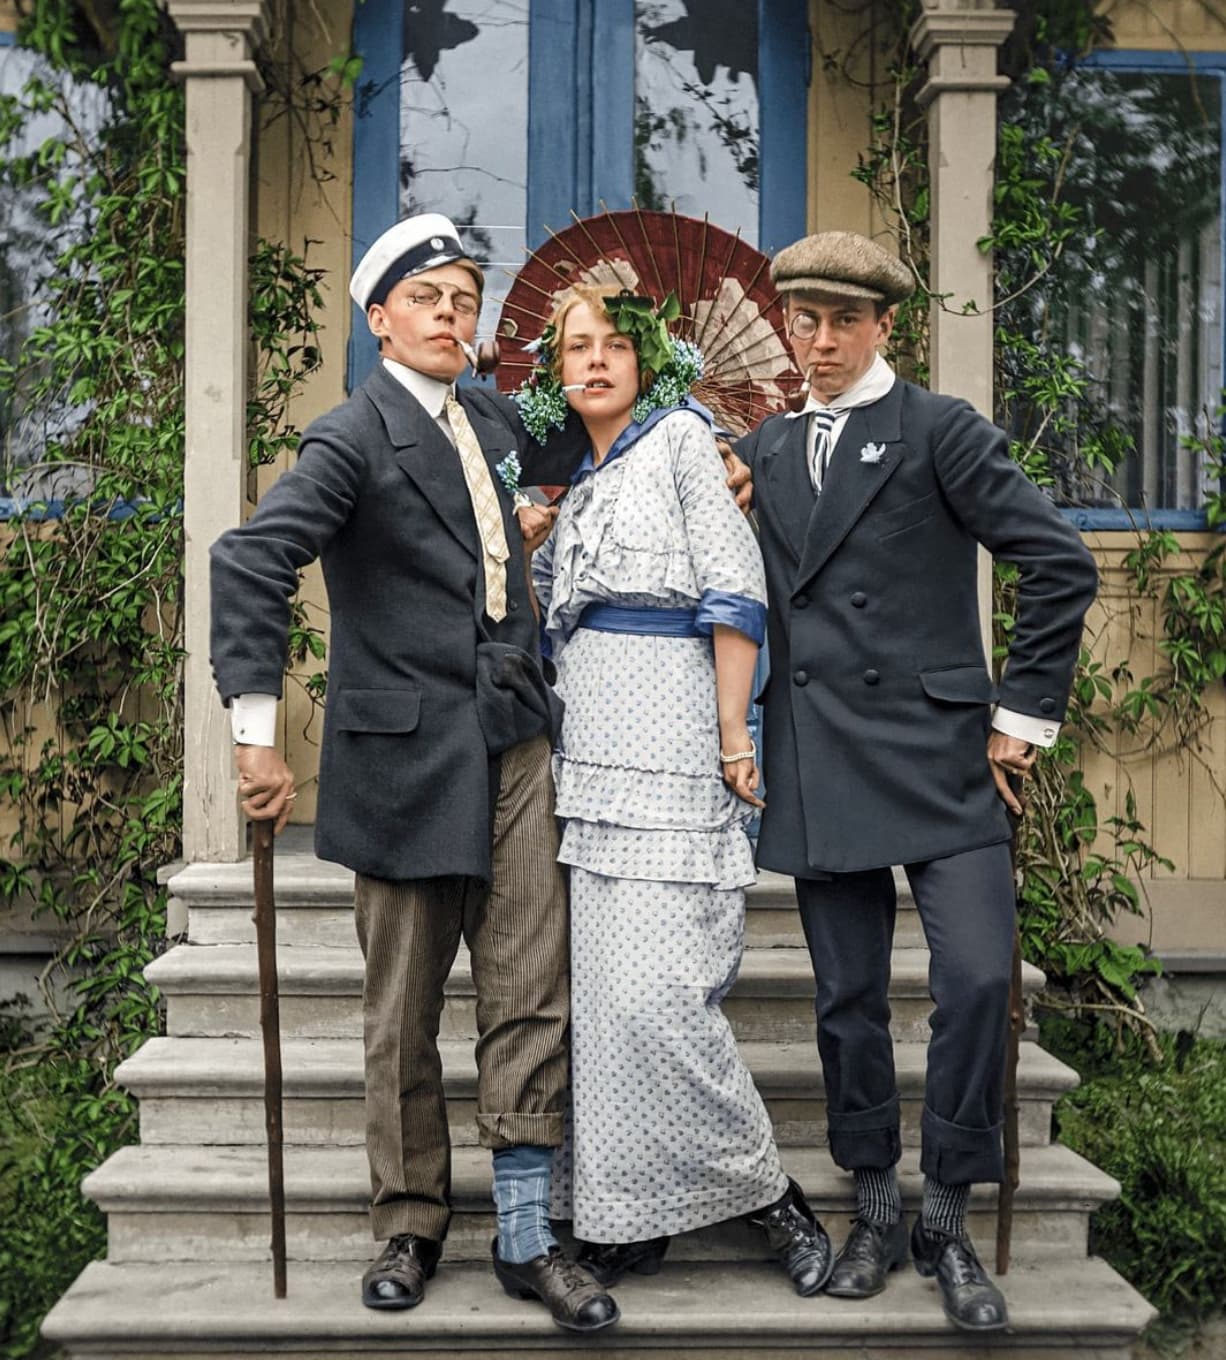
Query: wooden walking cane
x=1017, y=1018
x=270, y=1027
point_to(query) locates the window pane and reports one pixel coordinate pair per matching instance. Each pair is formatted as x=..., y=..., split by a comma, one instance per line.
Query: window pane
x=28, y=252
x=696, y=109
x=464, y=129
x=1137, y=293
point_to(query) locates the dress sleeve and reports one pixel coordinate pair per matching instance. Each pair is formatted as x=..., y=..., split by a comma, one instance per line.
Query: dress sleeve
x=723, y=550
x=542, y=584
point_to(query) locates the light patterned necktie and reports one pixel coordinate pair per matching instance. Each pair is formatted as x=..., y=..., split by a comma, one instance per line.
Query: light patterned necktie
x=488, y=513
x=823, y=424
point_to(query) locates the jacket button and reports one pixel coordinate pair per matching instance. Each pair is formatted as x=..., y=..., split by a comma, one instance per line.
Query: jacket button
x=871, y=677
x=1047, y=705
x=800, y=678
x=512, y=606
x=800, y=602
x=859, y=600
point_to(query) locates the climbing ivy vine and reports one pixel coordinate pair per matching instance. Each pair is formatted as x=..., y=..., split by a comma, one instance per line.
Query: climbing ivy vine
x=1079, y=866
x=92, y=183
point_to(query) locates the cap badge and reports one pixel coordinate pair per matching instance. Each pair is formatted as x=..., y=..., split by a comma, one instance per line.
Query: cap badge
x=436, y=243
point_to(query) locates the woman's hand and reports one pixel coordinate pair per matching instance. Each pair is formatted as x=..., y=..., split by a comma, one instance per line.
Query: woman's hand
x=741, y=775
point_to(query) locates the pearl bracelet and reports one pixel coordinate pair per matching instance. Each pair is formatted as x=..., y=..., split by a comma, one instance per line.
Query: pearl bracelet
x=751, y=754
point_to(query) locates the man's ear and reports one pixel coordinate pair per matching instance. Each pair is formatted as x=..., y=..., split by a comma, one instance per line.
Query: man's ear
x=885, y=324
x=376, y=319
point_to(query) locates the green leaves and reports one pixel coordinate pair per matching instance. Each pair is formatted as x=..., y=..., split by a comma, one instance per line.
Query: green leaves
x=639, y=318
x=1161, y=1131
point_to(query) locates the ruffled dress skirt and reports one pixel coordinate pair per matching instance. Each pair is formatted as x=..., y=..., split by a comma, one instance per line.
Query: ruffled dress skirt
x=668, y=1132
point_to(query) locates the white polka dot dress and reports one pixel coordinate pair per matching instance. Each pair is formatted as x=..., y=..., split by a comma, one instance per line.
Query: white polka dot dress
x=668, y=1132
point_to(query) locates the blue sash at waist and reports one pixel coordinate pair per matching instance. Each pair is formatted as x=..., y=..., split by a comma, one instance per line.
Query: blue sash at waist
x=613, y=618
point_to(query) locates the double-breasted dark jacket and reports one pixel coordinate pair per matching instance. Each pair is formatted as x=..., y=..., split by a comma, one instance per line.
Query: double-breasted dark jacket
x=877, y=710
x=406, y=779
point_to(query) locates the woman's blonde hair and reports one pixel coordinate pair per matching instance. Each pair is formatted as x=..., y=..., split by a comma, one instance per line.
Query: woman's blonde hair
x=593, y=295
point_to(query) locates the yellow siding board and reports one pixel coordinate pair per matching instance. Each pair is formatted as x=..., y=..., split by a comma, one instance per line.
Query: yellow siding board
x=1166, y=25
x=841, y=96
x=1207, y=795
x=292, y=207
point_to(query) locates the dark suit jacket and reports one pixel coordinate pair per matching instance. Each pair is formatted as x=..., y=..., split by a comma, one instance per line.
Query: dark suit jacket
x=877, y=709
x=406, y=782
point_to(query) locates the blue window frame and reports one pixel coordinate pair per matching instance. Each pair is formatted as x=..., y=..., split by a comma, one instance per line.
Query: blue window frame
x=1169, y=395
x=580, y=119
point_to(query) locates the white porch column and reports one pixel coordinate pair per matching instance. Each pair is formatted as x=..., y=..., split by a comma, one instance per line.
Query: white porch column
x=220, y=76
x=959, y=41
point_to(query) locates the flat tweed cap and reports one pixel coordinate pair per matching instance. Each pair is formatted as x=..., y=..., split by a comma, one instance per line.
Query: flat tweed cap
x=843, y=263
x=412, y=246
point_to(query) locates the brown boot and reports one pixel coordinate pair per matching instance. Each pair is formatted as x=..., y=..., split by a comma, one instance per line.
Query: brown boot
x=575, y=1301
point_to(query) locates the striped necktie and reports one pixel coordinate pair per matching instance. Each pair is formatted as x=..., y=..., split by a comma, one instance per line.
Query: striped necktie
x=819, y=463
x=486, y=510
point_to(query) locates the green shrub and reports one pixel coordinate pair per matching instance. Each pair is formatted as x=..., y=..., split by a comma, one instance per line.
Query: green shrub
x=1160, y=1130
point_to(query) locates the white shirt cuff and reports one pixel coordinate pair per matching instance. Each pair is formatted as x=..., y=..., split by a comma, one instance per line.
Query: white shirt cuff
x=1038, y=731
x=253, y=719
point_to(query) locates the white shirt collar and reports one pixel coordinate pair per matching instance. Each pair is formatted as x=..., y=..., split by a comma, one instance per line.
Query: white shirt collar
x=870, y=386
x=429, y=391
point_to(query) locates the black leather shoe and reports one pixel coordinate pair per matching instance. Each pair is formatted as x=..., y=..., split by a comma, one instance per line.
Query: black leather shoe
x=972, y=1301
x=797, y=1239
x=398, y=1278
x=575, y=1301
x=608, y=1262
x=871, y=1251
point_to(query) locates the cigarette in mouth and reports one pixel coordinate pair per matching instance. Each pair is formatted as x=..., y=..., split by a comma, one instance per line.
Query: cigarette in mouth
x=575, y=387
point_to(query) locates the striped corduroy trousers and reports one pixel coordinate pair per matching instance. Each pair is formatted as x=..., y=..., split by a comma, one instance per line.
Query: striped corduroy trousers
x=516, y=932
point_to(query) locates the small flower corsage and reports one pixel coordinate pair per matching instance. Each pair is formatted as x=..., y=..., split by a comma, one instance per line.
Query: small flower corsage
x=509, y=472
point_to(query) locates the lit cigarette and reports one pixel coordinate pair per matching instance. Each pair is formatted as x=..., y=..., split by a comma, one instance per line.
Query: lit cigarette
x=575, y=387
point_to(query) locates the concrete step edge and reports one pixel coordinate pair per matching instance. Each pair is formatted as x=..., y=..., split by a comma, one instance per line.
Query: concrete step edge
x=192, y=1308
x=333, y=1067
x=325, y=970
x=301, y=880
x=163, y=1178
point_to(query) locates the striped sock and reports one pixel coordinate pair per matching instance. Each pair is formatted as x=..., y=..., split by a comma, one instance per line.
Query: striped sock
x=944, y=1208
x=877, y=1196
x=521, y=1196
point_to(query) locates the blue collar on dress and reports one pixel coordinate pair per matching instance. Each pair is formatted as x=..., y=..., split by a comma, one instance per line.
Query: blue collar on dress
x=635, y=431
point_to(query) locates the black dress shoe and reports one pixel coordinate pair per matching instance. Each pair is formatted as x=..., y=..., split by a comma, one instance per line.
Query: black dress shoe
x=575, y=1301
x=398, y=1278
x=972, y=1301
x=608, y=1262
x=871, y=1251
x=797, y=1239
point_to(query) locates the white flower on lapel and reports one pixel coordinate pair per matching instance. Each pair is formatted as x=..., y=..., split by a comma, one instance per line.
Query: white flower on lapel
x=872, y=453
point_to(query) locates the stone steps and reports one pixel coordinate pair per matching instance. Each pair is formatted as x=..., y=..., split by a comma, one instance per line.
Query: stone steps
x=211, y=992
x=209, y=1091
x=167, y=1203
x=188, y=1274
x=726, y=1311
x=315, y=905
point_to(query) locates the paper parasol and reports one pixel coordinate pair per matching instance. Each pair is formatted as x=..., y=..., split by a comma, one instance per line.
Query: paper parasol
x=728, y=307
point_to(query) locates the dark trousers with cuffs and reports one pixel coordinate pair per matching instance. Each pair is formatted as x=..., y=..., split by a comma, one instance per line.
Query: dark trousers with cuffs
x=516, y=932
x=967, y=906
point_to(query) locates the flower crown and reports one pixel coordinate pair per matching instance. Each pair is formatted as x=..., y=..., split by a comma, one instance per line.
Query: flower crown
x=676, y=364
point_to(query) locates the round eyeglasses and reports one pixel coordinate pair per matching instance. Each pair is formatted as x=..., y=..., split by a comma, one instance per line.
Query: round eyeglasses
x=430, y=294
